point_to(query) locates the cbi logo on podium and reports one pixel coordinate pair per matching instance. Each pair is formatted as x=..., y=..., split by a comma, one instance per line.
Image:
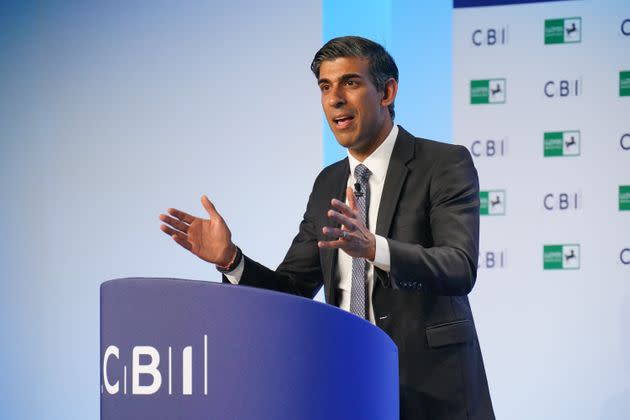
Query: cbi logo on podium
x=561, y=257
x=492, y=203
x=487, y=91
x=563, y=31
x=151, y=371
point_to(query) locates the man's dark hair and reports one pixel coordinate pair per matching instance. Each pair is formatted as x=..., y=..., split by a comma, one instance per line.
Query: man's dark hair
x=381, y=65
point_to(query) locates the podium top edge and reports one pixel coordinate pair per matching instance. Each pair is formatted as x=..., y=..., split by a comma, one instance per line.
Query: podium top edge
x=110, y=286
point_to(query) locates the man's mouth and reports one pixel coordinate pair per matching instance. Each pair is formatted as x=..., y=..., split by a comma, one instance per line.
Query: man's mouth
x=343, y=121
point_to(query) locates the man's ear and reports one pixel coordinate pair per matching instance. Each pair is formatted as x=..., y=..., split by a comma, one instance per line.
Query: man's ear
x=389, y=92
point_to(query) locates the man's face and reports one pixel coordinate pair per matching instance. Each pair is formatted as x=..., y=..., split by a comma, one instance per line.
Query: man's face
x=355, y=110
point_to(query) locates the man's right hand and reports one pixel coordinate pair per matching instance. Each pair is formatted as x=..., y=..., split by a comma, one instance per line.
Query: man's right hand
x=209, y=239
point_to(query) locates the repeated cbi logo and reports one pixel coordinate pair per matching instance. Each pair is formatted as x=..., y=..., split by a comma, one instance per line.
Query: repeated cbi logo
x=492, y=203
x=492, y=259
x=561, y=257
x=561, y=143
x=624, y=198
x=563, y=31
x=487, y=91
x=624, y=83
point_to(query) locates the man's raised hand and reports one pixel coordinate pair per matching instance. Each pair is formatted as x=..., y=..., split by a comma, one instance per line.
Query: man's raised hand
x=209, y=239
x=353, y=236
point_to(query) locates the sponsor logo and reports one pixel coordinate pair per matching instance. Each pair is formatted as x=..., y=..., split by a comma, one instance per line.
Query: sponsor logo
x=490, y=36
x=624, y=256
x=561, y=257
x=624, y=83
x=563, y=88
x=561, y=143
x=624, y=197
x=562, y=201
x=491, y=148
x=492, y=203
x=494, y=259
x=487, y=91
x=563, y=31
x=624, y=141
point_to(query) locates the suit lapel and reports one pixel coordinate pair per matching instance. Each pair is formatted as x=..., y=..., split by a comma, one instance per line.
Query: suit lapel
x=394, y=180
x=329, y=256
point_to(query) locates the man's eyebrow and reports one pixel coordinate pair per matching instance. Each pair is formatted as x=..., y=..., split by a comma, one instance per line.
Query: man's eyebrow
x=343, y=78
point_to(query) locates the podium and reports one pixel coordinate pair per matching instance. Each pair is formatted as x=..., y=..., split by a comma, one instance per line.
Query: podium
x=183, y=349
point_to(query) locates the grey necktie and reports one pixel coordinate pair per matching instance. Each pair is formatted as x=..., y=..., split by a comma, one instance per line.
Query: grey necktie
x=359, y=265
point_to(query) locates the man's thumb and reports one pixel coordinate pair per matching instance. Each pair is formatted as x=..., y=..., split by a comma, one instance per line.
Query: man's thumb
x=207, y=204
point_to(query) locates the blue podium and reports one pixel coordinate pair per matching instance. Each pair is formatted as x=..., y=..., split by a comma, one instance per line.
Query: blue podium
x=182, y=349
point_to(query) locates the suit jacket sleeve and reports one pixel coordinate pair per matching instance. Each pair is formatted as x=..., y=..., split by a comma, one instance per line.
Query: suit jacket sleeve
x=449, y=265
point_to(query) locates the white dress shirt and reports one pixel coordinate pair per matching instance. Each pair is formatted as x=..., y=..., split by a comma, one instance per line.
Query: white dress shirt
x=377, y=163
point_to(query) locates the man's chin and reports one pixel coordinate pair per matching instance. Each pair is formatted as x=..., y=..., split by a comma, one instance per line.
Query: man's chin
x=344, y=140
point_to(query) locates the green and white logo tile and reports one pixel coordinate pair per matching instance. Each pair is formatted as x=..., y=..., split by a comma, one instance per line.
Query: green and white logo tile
x=563, y=31
x=561, y=257
x=624, y=83
x=624, y=198
x=561, y=143
x=492, y=203
x=488, y=91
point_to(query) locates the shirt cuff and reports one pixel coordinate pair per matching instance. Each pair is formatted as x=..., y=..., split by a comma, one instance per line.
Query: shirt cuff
x=234, y=276
x=381, y=255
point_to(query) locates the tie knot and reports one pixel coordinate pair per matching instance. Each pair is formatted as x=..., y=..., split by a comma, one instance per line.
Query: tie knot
x=361, y=173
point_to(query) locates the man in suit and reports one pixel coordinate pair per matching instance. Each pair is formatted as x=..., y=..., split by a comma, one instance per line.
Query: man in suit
x=399, y=249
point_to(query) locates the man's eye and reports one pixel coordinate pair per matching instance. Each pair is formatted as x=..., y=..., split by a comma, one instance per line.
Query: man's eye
x=323, y=87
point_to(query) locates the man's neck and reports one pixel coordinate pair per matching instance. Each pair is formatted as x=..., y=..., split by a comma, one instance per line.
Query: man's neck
x=361, y=155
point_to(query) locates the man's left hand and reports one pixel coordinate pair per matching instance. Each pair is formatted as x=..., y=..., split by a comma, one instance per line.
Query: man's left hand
x=354, y=238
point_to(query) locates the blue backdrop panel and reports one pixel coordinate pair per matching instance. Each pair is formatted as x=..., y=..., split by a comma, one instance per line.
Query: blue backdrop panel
x=269, y=355
x=418, y=35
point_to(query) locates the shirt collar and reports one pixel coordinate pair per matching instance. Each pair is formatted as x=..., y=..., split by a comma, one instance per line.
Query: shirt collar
x=378, y=161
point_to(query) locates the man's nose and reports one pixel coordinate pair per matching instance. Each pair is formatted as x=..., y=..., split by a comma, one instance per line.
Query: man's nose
x=336, y=99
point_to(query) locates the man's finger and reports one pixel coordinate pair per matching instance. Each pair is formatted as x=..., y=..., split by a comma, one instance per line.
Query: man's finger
x=180, y=239
x=332, y=244
x=335, y=232
x=170, y=231
x=349, y=223
x=342, y=207
x=207, y=204
x=181, y=215
x=176, y=223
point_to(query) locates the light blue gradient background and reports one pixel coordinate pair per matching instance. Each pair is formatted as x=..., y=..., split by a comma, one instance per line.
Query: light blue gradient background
x=109, y=114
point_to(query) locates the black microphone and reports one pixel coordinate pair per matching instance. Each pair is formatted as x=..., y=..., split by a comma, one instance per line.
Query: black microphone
x=357, y=190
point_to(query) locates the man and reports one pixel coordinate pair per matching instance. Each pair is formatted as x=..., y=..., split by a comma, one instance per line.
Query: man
x=401, y=253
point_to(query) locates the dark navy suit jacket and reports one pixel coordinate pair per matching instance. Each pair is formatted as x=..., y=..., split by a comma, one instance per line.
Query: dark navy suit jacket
x=429, y=213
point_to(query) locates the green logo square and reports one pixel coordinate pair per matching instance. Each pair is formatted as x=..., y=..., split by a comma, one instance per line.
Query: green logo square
x=561, y=143
x=479, y=91
x=561, y=257
x=624, y=83
x=487, y=91
x=624, y=198
x=563, y=31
